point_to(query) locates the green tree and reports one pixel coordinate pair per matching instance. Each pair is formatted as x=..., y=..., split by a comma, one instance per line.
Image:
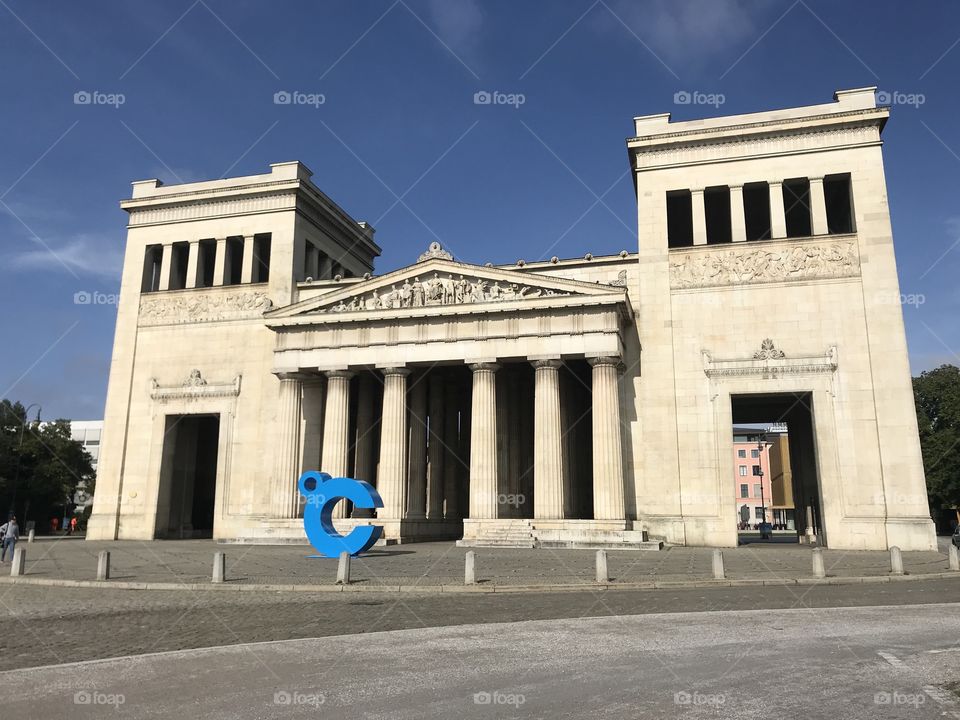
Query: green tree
x=937, y=396
x=40, y=465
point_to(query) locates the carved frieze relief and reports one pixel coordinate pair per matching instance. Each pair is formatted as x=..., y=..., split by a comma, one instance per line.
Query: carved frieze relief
x=200, y=306
x=194, y=387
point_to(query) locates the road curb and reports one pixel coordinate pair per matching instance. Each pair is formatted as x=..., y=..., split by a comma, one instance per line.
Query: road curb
x=481, y=588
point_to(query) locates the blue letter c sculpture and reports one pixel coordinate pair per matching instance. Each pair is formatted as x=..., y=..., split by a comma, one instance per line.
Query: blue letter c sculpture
x=318, y=513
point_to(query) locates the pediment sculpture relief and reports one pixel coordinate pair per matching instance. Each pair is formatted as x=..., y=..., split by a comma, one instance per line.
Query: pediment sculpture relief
x=437, y=290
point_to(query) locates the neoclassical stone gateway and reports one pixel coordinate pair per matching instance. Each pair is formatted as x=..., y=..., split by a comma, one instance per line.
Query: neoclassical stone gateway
x=542, y=402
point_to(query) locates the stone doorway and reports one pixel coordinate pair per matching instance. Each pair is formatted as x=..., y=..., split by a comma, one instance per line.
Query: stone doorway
x=188, y=476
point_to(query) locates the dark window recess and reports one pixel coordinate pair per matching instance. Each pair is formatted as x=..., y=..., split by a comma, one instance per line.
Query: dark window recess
x=234, y=259
x=206, y=262
x=311, y=258
x=152, y=260
x=716, y=207
x=179, y=260
x=838, y=197
x=261, y=258
x=679, y=219
x=756, y=210
x=796, y=206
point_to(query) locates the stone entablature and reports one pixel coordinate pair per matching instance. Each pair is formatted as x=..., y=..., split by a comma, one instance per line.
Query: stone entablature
x=194, y=387
x=761, y=261
x=770, y=362
x=178, y=307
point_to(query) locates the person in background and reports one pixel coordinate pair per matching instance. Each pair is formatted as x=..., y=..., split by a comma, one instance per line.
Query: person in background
x=10, y=532
x=73, y=524
x=54, y=524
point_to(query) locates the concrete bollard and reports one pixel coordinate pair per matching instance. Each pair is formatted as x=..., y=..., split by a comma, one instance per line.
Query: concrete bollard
x=954, y=557
x=718, y=573
x=30, y=536
x=219, y=567
x=819, y=570
x=103, y=565
x=343, y=569
x=19, y=561
x=470, y=569
x=896, y=561
x=603, y=576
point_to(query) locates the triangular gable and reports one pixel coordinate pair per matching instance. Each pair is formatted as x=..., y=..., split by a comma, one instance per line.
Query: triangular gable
x=439, y=282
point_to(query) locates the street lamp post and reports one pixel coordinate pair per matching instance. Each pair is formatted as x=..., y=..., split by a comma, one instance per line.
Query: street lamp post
x=763, y=504
x=16, y=474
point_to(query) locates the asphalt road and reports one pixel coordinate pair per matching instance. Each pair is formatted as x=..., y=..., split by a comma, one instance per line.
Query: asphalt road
x=851, y=663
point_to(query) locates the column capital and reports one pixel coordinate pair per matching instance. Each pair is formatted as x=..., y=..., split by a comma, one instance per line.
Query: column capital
x=484, y=367
x=611, y=360
x=396, y=370
x=289, y=375
x=736, y=188
x=338, y=373
x=815, y=179
x=771, y=183
x=696, y=191
x=550, y=363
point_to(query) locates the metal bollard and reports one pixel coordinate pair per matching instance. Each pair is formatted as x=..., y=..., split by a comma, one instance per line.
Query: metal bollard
x=718, y=573
x=603, y=576
x=30, y=535
x=343, y=569
x=954, y=557
x=896, y=561
x=103, y=565
x=19, y=561
x=819, y=570
x=219, y=567
x=470, y=569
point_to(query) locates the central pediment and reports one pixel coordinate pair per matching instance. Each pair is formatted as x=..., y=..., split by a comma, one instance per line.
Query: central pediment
x=439, y=284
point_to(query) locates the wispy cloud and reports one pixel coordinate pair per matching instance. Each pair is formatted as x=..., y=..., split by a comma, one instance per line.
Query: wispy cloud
x=458, y=23
x=84, y=254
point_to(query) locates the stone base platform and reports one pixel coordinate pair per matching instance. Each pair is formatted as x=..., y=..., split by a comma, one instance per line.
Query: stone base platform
x=571, y=534
x=395, y=532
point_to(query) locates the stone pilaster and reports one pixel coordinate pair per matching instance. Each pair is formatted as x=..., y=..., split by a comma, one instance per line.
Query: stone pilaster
x=548, y=455
x=166, y=266
x=738, y=220
x=608, y=503
x=220, y=263
x=437, y=451
x=818, y=207
x=336, y=428
x=417, y=452
x=364, y=462
x=246, y=266
x=192, y=265
x=284, y=494
x=483, y=443
x=392, y=475
x=699, y=217
x=778, y=218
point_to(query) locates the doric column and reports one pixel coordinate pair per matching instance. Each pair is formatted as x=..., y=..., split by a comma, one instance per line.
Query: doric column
x=483, y=442
x=607, y=444
x=286, y=473
x=699, y=217
x=166, y=266
x=818, y=207
x=220, y=262
x=437, y=451
x=364, y=462
x=738, y=220
x=336, y=429
x=548, y=500
x=192, y=262
x=451, y=445
x=392, y=476
x=778, y=219
x=417, y=452
x=246, y=267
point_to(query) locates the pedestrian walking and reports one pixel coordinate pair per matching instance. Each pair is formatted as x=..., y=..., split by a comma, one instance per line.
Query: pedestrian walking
x=10, y=533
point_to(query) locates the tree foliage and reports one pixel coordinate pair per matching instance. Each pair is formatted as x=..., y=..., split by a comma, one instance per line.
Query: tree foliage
x=40, y=465
x=937, y=396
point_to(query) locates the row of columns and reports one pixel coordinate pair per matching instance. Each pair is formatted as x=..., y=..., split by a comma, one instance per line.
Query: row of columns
x=778, y=220
x=219, y=267
x=417, y=486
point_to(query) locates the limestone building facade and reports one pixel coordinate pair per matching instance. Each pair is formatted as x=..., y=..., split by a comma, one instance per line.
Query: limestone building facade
x=555, y=402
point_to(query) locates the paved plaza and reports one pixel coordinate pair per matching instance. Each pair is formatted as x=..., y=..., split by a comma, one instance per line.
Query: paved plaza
x=429, y=566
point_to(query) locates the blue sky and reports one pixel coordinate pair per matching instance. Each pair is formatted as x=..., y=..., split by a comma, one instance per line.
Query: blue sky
x=399, y=142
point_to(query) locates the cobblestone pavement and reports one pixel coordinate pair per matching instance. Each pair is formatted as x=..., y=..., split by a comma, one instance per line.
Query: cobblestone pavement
x=441, y=563
x=43, y=625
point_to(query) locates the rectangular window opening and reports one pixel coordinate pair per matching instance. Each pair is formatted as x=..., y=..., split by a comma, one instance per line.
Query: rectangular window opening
x=234, y=261
x=152, y=260
x=206, y=260
x=838, y=197
x=796, y=207
x=716, y=206
x=261, y=258
x=179, y=260
x=756, y=210
x=679, y=219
